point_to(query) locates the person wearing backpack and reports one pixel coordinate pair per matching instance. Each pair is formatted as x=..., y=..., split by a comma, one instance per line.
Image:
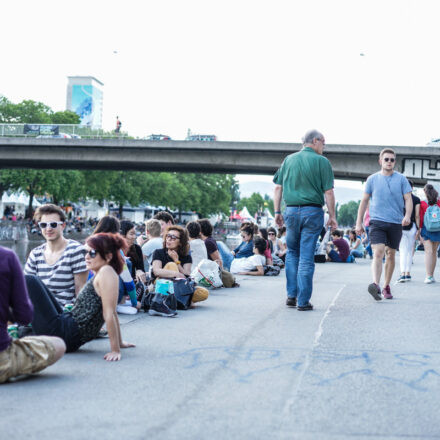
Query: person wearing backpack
x=430, y=232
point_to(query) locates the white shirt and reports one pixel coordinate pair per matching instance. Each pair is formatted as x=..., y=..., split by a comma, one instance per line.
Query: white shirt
x=150, y=246
x=247, y=264
x=198, y=251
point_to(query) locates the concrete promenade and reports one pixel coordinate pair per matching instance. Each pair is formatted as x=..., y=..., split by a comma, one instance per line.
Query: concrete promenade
x=244, y=366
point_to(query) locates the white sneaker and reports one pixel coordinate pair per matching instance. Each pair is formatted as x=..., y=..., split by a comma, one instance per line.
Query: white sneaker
x=429, y=280
x=126, y=310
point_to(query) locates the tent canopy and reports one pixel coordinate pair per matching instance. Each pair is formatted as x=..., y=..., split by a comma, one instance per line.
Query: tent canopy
x=245, y=215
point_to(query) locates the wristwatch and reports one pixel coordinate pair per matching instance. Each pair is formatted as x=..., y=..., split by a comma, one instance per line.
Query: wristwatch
x=177, y=262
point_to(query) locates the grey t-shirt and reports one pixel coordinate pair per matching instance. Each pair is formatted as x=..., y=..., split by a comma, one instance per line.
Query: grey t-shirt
x=386, y=196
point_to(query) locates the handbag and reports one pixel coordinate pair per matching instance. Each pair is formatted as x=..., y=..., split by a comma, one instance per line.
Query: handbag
x=183, y=291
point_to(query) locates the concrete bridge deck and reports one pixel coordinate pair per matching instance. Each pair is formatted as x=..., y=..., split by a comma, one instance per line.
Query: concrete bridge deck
x=354, y=162
x=244, y=366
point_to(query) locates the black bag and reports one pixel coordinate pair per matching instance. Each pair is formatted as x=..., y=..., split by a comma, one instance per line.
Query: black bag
x=271, y=271
x=184, y=291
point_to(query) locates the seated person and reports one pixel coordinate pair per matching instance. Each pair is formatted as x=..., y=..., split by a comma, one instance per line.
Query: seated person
x=196, y=244
x=134, y=252
x=166, y=220
x=356, y=246
x=110, y=225
x=174, y=261
x=342, y=251
x=245, y=248
x=262, y=232
x=210, y=243
x=59, y=262
x=153, y=242
x=30, y=354
x=95, y=304
x=251, y=265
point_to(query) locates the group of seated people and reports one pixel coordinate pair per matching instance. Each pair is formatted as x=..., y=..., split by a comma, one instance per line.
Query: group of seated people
x=70, y=294
x=345, y=248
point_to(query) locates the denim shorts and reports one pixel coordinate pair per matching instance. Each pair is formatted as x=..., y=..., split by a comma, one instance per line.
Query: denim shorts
x=385, y=233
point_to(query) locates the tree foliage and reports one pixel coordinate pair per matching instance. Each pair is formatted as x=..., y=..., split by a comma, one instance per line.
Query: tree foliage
x=347, y=213
x=33, y=112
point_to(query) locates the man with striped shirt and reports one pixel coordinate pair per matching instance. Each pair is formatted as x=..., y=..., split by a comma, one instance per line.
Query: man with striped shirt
x=59, y=263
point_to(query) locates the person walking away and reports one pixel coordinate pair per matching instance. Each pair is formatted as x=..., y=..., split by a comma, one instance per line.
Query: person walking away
x=304, y=179
x=409, y=236
x=429, y=218
x=30, y=354
x=388, y=192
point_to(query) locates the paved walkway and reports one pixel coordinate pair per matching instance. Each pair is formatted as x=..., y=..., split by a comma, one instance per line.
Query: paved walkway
x=244, y=366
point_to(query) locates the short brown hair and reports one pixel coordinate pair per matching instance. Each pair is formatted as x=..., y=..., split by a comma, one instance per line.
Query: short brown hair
x=164, y=216
x=153, y=227
x=183, y=249
x=49, y=209
x=386, y=150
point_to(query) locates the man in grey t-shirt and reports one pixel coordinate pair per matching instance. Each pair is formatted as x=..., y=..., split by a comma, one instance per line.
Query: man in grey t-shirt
x=388, y=192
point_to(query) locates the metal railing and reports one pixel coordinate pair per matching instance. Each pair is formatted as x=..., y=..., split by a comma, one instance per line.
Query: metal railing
x=17, y=130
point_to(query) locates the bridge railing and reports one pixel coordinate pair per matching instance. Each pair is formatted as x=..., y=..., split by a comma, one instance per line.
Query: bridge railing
x=18, y=130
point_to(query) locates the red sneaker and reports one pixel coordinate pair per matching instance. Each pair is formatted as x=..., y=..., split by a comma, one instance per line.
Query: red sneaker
x=386, y=292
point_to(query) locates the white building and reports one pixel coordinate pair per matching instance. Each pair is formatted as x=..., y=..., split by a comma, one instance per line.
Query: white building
x=85, y=98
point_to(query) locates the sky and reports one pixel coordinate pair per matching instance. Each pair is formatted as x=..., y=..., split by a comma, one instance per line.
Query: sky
x=361, y=72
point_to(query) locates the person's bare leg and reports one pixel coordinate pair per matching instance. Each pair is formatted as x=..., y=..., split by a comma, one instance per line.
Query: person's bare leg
x=430, y=256
x=390, y=263
x=376, y=265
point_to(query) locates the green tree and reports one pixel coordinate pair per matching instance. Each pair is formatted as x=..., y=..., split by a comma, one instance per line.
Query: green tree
x=254, y=203
x=347, y=213
x=33, y=182
x=65, y=117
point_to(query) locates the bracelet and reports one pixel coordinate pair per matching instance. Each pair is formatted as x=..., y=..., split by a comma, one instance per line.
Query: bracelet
x=277, y=212
x=177, y=262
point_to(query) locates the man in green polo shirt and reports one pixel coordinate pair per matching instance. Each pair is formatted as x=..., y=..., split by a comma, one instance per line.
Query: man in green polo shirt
x=304, y=180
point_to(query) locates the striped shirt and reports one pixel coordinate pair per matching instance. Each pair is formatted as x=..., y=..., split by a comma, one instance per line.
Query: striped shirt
x=59, y=277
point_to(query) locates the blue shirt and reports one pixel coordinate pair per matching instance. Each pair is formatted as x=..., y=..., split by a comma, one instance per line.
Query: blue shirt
x=244, y=249
x=386, y=196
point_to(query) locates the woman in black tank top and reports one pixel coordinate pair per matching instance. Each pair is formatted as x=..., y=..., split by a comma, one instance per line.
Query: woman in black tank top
x=95, y=304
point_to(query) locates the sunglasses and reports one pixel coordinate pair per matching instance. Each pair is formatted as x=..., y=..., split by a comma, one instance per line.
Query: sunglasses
x=53, y=225
x=389, y=159
x=92, y=252
x=172, y=237
x=271, y=233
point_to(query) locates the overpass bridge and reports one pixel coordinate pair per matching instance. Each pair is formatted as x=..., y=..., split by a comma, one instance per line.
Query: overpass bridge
x=352, y=162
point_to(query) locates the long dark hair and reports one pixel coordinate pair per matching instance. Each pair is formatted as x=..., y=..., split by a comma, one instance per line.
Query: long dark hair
x=132, y=252
x=431, y=194
x=109, y=224
x=105, y=243
x=183, y=249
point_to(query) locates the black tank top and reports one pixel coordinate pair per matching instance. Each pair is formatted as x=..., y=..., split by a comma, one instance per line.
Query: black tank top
x=87, y=312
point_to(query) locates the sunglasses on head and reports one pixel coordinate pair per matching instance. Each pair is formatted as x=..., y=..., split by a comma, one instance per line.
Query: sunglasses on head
x=172, y=237
x=389, y=159
x=92, y=253
x=53, y=225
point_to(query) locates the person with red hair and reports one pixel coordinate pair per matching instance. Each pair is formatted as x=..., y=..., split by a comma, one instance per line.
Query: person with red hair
x=95, y=304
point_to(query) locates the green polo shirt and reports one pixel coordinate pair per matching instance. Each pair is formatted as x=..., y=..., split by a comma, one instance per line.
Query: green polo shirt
x=305, y=176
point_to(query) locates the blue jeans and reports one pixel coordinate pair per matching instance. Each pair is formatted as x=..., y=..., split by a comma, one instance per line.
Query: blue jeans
x=226, y=255
x=356, y=253
x=303, y=226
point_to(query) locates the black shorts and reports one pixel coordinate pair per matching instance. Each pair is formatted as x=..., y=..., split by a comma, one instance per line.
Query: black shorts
x=385, y=233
